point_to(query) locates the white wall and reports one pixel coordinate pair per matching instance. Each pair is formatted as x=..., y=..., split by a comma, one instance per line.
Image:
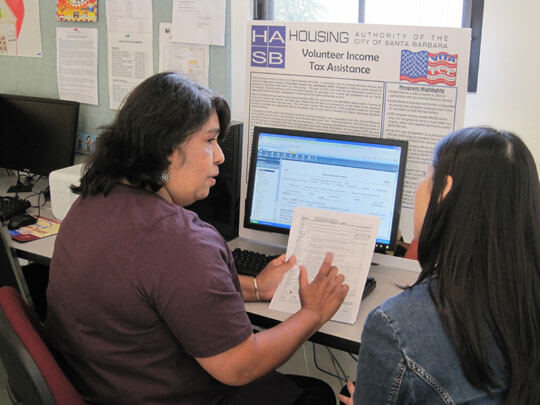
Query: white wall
x=508, y=94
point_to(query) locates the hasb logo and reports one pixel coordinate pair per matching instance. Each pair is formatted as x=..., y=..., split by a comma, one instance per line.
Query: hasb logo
x=268, y=46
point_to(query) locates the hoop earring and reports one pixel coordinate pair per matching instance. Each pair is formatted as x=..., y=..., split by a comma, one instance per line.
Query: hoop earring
x=165, y=176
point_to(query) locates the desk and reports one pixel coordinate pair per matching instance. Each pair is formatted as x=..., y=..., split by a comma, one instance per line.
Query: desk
x=39, y=251
x=389, y=272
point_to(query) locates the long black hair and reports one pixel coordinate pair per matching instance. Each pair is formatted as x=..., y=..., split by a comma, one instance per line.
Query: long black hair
x=482, y=241
x=157, y=116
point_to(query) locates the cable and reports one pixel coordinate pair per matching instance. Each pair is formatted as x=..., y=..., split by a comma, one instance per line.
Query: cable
x=341, y=381
x=39, y=204
x=24, y=185
x=336, y=362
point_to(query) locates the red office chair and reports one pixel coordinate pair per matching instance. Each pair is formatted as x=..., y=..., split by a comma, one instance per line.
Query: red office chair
x=34, y=376
x=412, y=251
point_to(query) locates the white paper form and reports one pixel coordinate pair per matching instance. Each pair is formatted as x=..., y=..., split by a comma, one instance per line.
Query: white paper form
x=199, y=21
x=129, y=15
x=191, y=60
x=314, y=232
x=76, y=64
x=129, y=34
x=130, y=62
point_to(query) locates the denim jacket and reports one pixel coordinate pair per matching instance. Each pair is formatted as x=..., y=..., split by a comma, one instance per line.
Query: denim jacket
x=406, y=357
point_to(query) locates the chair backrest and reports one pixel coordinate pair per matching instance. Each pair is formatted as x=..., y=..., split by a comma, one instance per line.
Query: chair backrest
x=412, y=251
x=10, y=269
x=34, y=376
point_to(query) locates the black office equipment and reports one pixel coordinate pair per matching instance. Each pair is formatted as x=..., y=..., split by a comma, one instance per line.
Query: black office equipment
x=346, y=173
x=38, y=134
x=21, y=220
x=222, y=206
x=12, y=206
x=250, y=263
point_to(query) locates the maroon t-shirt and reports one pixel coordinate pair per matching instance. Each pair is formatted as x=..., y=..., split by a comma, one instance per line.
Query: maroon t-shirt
x=138, y=288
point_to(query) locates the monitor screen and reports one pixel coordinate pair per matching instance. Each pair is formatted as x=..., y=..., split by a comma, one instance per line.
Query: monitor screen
x=346, y=173
x=38, y=134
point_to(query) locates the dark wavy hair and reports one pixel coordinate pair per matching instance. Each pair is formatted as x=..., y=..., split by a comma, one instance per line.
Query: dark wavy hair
x=157, y=116
x=482, y=242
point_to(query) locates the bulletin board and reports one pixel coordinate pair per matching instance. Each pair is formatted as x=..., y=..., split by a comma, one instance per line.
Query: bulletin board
x=36, y=76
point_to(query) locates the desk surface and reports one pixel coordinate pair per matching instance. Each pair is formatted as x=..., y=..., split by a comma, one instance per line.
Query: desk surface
x=389, y=272
x=40, y=250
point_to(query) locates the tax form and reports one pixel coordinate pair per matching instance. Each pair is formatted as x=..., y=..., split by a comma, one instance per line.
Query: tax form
x=314, y=232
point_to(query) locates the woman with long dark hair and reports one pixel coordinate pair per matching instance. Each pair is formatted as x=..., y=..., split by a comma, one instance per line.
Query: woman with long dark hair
x=468, y=330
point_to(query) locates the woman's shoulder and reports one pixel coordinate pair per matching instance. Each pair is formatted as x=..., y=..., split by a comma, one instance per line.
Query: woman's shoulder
x=411, y=310
x=162, y=215
x=189, y=227
x=415, y=296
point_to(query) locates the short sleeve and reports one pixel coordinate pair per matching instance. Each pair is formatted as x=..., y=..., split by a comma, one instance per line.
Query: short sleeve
x=381, y=366
x=192, y=288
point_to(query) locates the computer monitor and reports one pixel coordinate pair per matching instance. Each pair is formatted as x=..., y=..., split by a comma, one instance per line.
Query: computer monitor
x=356, y=174
x=222, y=206
x=38, y=134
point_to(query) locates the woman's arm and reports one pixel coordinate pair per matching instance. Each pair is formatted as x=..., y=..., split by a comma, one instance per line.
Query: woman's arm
x=380, y=366
x=267, y=280
x=265, y=351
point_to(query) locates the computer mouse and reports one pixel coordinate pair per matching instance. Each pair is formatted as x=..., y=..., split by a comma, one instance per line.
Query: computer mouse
x=21, y=220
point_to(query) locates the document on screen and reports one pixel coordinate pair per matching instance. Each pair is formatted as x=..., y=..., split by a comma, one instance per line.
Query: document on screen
x=350, y=237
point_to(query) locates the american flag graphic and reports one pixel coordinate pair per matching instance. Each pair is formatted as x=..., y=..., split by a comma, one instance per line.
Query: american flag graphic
x=427, y=67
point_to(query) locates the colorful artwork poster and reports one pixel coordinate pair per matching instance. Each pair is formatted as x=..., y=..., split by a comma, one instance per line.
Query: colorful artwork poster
x=77, y=10
x=20, y=33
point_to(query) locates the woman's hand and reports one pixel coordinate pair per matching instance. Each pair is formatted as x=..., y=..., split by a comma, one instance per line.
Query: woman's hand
x=325, y=293
x=348, y=400
x=265, y=351
x=270, y=277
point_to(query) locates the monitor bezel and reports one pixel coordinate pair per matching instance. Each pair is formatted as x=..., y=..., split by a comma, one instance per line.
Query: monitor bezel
x=74, y=108
x=257, y=130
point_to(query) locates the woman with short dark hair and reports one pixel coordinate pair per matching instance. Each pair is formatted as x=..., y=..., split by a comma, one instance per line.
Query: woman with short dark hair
x=144, y=302
x=155, y=118
x=468, y=330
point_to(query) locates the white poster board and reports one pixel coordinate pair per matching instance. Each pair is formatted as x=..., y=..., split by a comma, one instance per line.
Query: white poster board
x=368, y=80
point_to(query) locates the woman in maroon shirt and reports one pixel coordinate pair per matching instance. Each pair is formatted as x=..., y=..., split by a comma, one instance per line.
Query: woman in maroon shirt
x=144, y=301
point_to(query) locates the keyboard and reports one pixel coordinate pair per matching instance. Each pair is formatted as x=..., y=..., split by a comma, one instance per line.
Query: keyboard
x=250, y=263
x=11, y=206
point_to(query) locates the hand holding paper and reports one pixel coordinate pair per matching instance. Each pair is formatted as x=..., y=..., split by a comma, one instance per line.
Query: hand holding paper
x=314, y=232
x=269, y=278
